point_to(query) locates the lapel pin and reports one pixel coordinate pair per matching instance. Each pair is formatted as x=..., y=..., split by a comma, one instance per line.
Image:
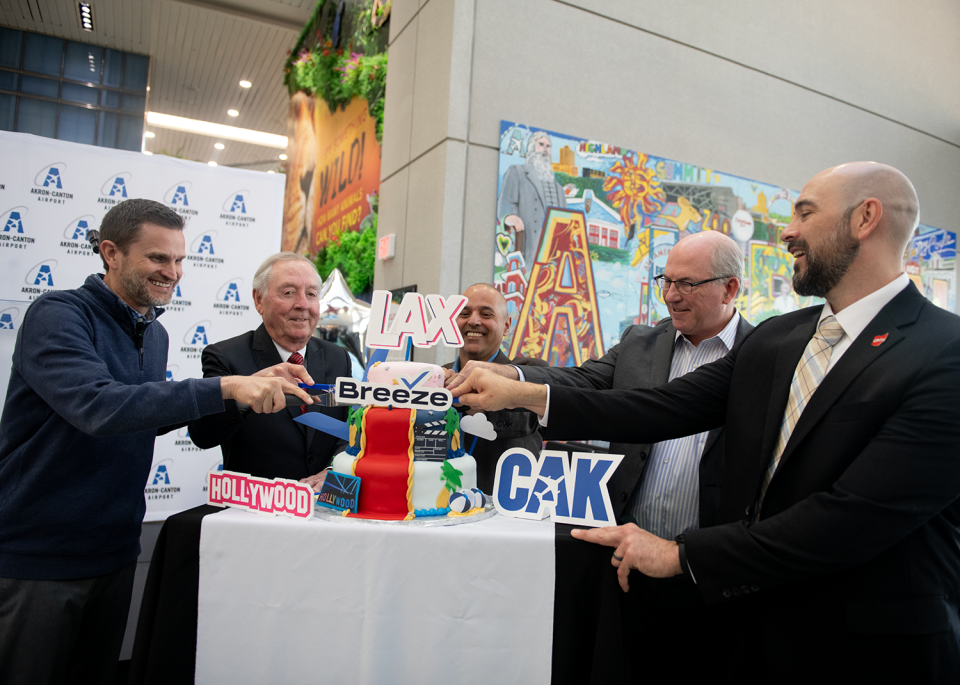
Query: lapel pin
x=879, y=340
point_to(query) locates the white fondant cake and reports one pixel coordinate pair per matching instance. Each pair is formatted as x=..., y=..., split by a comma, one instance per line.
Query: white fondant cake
x=409, y=461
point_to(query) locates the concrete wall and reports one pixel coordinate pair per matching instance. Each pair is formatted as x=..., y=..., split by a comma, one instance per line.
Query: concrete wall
x=775, y=91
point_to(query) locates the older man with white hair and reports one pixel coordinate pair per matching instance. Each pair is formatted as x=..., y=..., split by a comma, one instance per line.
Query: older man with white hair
x=528, y=189
x=286, y=291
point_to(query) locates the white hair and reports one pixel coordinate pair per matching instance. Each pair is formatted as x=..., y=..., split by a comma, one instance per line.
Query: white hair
x=261, y=279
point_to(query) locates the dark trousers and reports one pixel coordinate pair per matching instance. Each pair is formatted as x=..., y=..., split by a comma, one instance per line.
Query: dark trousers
x=63, y=631
x=668, y=630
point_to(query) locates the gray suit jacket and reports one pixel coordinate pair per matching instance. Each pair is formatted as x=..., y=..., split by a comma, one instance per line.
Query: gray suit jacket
x=641, y=360
x=522, y=195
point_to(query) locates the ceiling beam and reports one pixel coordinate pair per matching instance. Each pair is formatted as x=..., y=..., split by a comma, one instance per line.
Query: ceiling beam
x=289, y=19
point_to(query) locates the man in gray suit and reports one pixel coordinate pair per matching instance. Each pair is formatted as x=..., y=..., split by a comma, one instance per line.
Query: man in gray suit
x=673, y=486
x=528, y=189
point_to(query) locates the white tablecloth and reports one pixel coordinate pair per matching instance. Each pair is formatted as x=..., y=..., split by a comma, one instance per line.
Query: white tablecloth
x=285, y=601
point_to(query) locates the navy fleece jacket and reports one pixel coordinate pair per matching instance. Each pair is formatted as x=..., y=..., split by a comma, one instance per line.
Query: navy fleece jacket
x=77, y=433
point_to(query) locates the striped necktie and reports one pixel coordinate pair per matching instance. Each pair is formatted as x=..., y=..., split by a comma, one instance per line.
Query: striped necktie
x=297, y=358
x=806, y=379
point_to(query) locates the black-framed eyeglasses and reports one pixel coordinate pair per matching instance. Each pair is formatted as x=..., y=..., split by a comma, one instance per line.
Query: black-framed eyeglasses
x=683, y=287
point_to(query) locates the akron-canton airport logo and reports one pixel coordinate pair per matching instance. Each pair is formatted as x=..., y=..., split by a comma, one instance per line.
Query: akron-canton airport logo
x=76, y=235
x=236, y=209
x=39, y=279
x=228, y=299
x=203, y=251
x=9, y=318
x=12, y=234
x=178, y=197
x=172, y=370
x=115, y=188
x=50, y=184
x=195, y=339
x=160, y=485
x=216, y=466
x=183, y=441
x=178, y=303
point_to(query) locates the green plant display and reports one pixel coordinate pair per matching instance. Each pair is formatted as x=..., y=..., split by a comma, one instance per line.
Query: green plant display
x=353, y=253
x=337, y=75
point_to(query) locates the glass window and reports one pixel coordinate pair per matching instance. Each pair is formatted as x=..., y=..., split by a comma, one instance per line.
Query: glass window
x=82, y=62
x=8, y=107
x=11, y=45
x=112, y=62
x=135, y=72
x=109, y=98
x=130, y=135
x=37, y=117
x=9, y=80
x=43, y=54
x=133, y=103
x=77, y=124
x=74, y=92
x=43, y=87
x=107, y=130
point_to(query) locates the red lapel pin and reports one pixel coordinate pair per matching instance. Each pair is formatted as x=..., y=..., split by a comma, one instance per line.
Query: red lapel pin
x=879, y=340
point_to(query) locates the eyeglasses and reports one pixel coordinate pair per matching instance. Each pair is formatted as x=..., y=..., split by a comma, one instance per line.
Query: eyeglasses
x=683, y=287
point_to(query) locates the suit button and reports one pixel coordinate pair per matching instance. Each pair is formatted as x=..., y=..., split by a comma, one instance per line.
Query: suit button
x=643, y=456
x=755, y=588
x=726, y=593
x=747, y=511
x=623, y=497
x=736, y=592
x=745, y=590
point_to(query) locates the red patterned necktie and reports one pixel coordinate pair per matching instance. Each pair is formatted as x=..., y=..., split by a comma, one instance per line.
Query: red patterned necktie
x=297, y=358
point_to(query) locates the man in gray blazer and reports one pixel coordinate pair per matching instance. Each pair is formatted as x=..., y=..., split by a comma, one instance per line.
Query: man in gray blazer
x=528, y=189
x=673, y=486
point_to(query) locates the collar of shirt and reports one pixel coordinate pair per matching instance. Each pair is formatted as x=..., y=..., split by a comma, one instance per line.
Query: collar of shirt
x=285, y=355
x=456, y=362
x=134, y=314
x=727, y=336
x=854, y=318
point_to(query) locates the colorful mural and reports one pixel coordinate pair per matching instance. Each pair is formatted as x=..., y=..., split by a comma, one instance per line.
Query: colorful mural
x=634, y=208
x=931, y=263
x=631, y=208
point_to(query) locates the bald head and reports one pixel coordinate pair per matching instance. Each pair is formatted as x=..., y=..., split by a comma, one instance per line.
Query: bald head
x=855, y=182
x=848, y=232
x=482, y=322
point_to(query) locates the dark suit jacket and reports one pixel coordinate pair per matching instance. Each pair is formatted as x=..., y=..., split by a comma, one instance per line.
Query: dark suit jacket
x=856, y=556
x=269, y=445
x=515, y=428
x=641, y=360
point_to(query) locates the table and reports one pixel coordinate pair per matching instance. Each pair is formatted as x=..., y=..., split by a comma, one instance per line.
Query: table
x=585, y=635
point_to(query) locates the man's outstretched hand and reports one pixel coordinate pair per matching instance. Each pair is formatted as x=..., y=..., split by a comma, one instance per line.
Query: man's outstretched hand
x=635, y=548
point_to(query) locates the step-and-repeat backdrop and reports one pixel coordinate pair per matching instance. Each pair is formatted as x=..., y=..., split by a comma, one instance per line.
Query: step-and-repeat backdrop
x=52, y=192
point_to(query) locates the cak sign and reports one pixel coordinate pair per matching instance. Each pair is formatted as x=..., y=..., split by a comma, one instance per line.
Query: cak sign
x=568, y=492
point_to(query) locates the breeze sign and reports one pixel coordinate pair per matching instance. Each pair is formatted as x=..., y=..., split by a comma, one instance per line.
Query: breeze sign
x=350, y=391
x=568, y=492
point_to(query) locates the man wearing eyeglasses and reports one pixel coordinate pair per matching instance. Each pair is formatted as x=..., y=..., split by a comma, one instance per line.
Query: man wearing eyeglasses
x=671, y=487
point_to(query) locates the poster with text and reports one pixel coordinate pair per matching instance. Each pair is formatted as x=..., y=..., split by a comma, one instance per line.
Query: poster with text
x=53, y=192
x=333, y=173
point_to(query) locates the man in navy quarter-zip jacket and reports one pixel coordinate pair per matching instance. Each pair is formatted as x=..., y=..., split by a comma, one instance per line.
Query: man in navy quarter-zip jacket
x=86, y=399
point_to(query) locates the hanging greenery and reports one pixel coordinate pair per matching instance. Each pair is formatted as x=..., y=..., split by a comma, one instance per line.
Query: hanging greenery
x=337, y=75
x=353, y=253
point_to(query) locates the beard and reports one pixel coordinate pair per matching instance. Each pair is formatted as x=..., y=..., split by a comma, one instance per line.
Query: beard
x=137, y=288
x=540, y=161
x=828, y=263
